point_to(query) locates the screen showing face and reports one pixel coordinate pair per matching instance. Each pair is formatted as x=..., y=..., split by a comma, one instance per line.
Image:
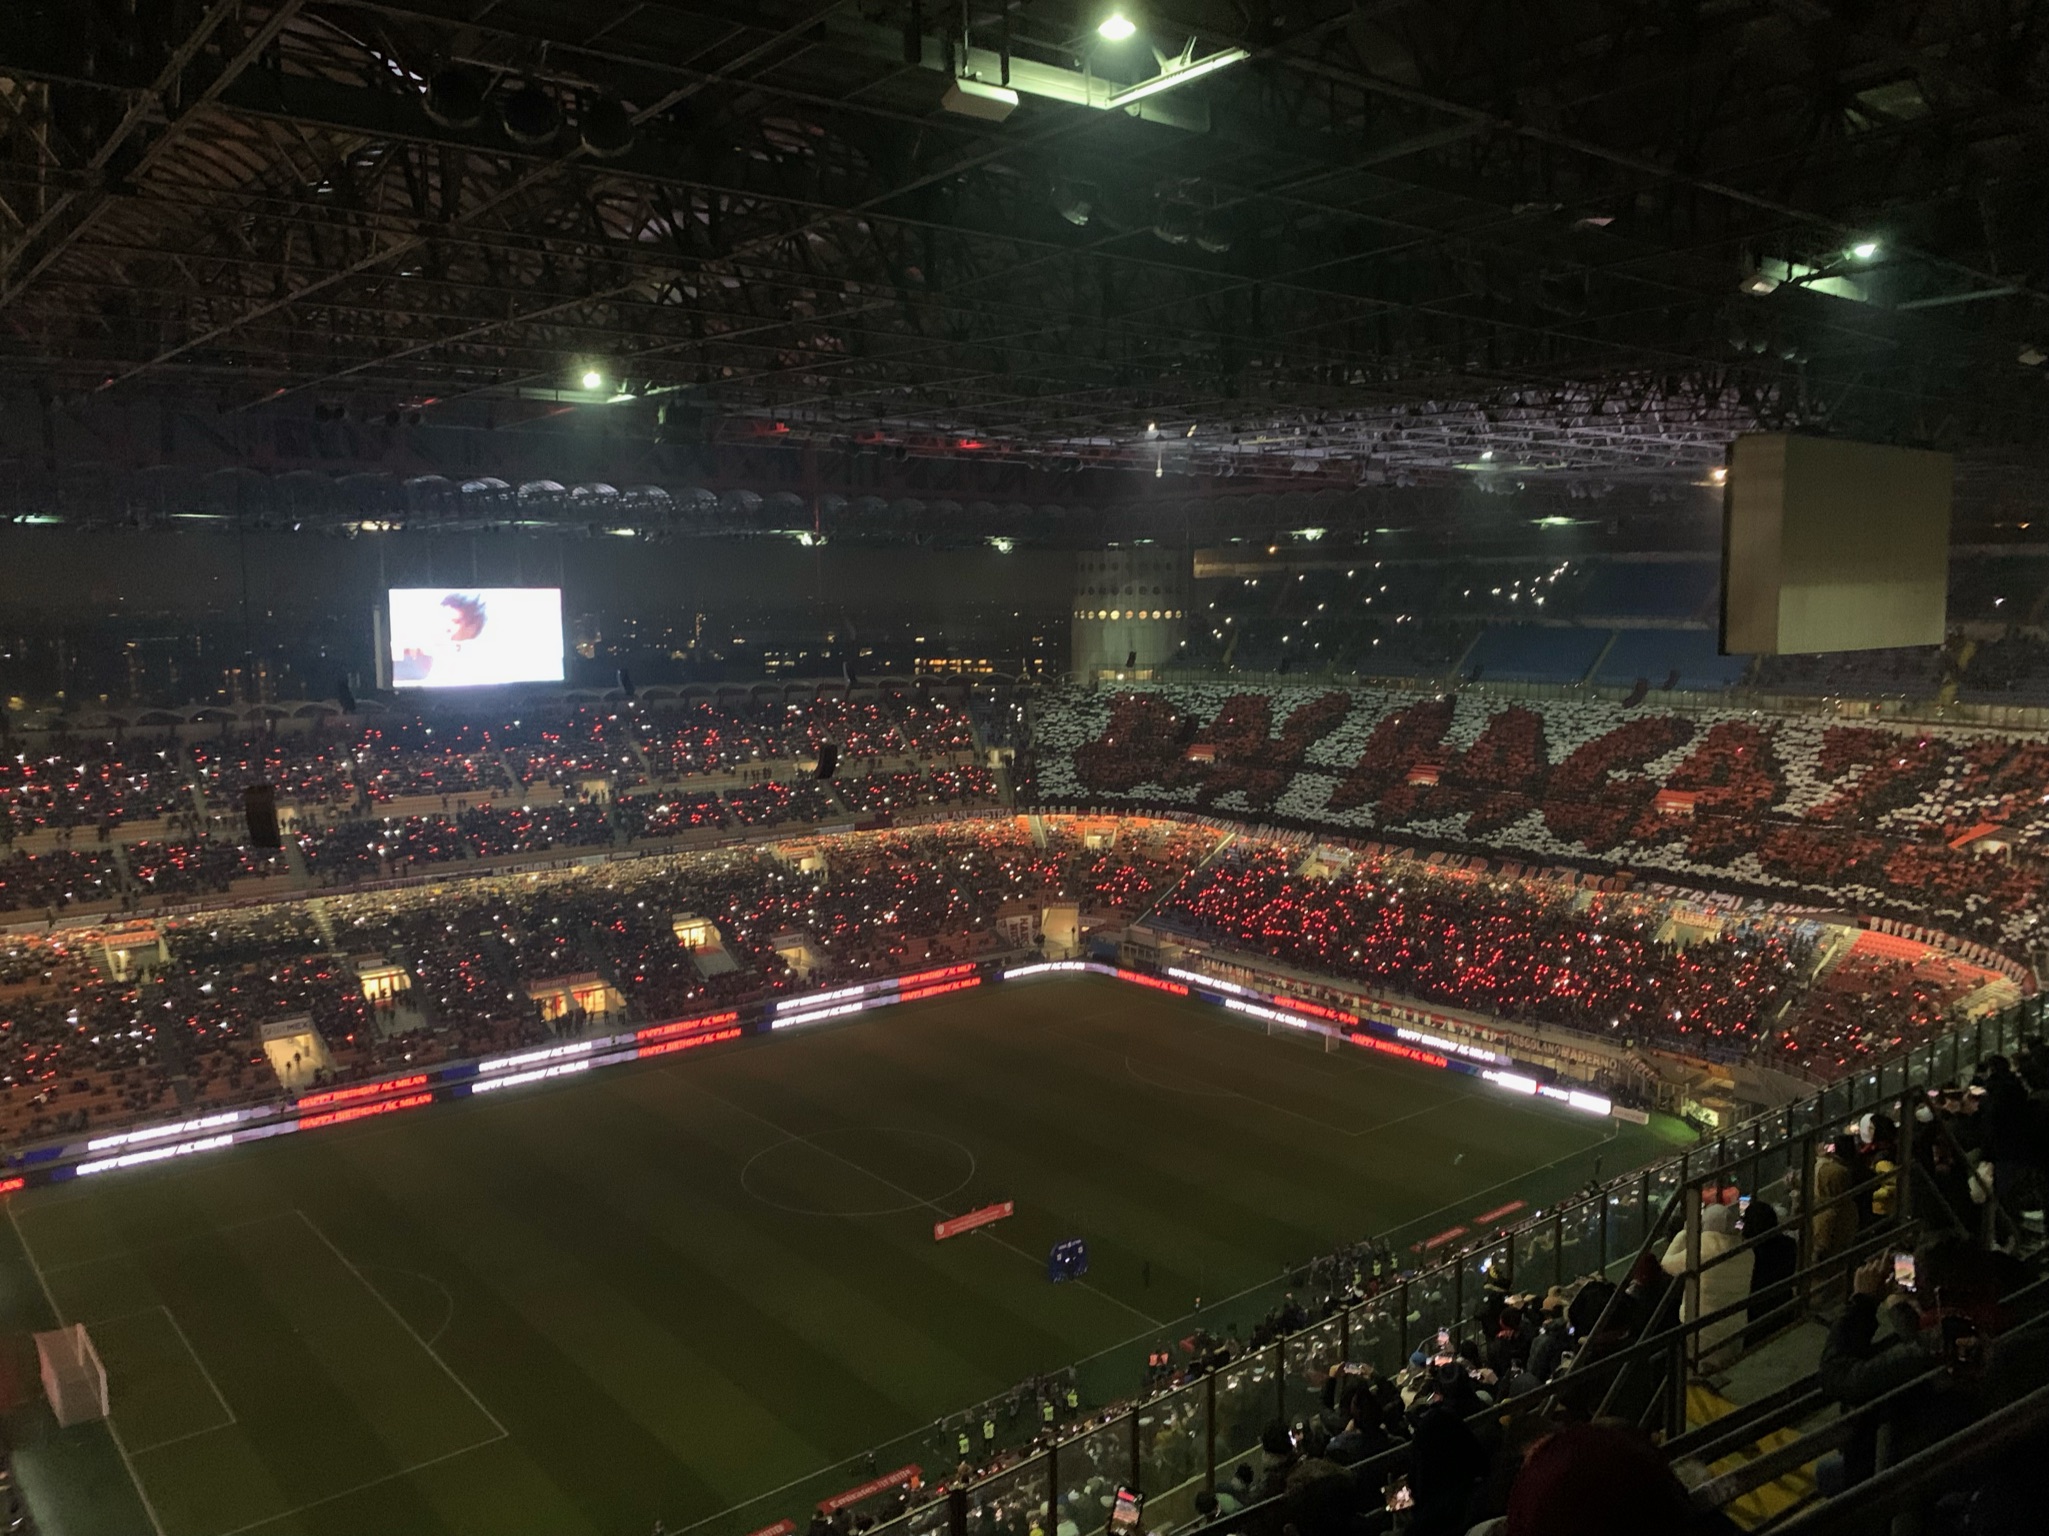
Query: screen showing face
x=472, y=637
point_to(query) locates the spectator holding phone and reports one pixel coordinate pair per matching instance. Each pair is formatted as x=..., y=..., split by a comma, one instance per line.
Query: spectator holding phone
x=1929, y=1320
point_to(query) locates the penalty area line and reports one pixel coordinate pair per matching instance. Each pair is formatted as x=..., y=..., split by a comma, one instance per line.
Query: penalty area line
x=57, y=1315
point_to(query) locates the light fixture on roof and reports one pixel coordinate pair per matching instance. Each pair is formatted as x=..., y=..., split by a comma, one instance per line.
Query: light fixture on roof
x=454, y=97
x=592, y=379
x=1864, y=250
x=605, y=127
x=529, y=116
x=1179, y=71
x=1116, y=27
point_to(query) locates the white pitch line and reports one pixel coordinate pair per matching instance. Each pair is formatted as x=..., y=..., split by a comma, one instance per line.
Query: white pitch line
x=419, y=1466
x=411, y=1331
x=57, y=1314
x=211, y=1385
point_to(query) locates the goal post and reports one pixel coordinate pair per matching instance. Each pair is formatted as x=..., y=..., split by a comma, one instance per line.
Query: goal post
x=74, y=1380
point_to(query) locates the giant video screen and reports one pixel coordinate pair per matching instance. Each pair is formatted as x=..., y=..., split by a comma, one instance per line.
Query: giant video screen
x=475, y=637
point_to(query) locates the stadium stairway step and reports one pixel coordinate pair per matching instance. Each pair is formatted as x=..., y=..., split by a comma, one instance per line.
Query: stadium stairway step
x=1704, y=1406
x=302, y=878
x=316, y=908
x=1601, y=660
x=1786, y=1358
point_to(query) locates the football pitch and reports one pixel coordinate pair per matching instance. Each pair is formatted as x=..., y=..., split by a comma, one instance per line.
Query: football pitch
x=702, y=1290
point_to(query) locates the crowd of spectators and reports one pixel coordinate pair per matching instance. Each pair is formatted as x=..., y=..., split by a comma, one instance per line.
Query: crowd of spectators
x=199, y=866
x=767, y=803
x=1611, y=964
x=474, y=953
x=1872, y=1004
x=1515, y=949
x=571, y=747
x=673, y=814
x=1944, y=826
x=355, y=848
x=100, y=783
x=495, y=830
x=92, y=782
x=738, y=732
x=304, y=768
x=50, y=882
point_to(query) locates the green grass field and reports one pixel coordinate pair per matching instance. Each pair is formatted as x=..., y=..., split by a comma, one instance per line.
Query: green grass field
x=666, y=1290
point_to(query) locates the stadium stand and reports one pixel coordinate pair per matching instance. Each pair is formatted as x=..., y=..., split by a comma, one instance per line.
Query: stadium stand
x=1924, y=823
x=1688, y=658
x=474, y=952
x=1943, y=823
x=1676, y=591
x=1534, y=653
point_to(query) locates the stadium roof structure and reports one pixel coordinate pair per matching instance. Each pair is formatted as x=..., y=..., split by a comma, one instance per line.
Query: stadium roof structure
x=1358, y=241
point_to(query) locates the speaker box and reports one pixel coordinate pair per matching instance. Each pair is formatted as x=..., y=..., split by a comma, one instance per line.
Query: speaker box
x=828, y=760
x=259, y=806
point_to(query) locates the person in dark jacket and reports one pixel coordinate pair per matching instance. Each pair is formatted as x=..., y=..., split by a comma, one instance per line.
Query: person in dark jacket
x=1775, y=1257
x=1885, y=1340
x=2006, y=1117
x=1553, y=1335
x=1446, y=1463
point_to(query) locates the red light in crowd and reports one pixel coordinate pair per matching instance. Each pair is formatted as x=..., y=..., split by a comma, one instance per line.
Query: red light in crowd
x=1316, y=1010
x=365, y=1111
x=9, y=1186
x=1407, y=1053
x=683, y=1045
x=685, y=1026
x=366, y=1091
x=942, y=987
x=944, y=973
x=1154, y=982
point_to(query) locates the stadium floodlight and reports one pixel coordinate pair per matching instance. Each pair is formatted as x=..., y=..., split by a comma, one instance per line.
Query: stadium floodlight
x=1176, y=73
x=1116, y=27
x=1864, y=250
x=592, y=379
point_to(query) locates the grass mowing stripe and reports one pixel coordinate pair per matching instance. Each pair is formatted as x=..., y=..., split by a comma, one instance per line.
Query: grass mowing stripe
x=288, y=1340
x=753, y=1342
x=909, y=1277
x=661, y=1342
x=571, y=1440
x=684, y=1348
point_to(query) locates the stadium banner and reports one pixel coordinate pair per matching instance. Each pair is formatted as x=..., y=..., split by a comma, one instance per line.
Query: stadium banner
x=869, y=1489
x=953, y=1226
x=1394, y=1035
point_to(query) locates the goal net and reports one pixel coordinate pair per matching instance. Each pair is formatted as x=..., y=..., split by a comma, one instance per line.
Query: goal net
x=74, y=1380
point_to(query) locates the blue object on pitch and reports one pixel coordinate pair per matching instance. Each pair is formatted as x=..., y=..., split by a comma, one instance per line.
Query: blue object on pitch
x=1068, y=1260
